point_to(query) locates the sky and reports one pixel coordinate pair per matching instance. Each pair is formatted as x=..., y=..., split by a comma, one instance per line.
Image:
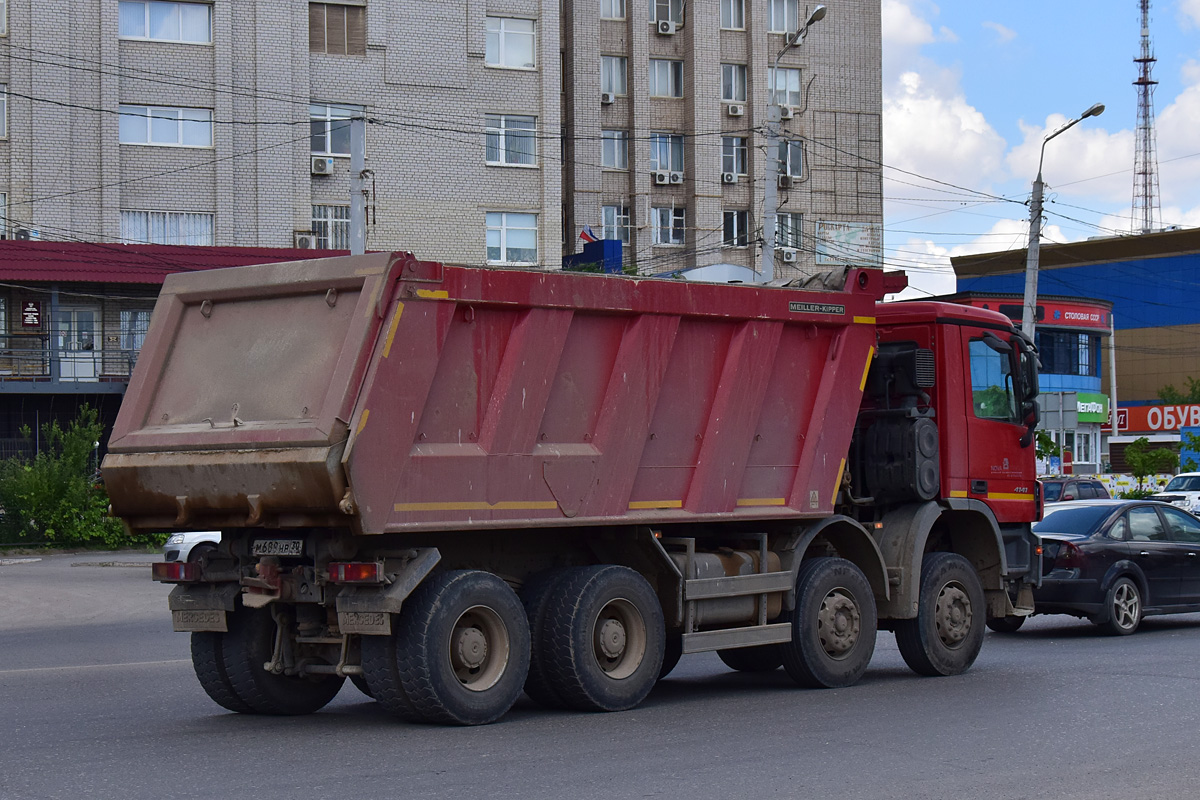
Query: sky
x=970, y=89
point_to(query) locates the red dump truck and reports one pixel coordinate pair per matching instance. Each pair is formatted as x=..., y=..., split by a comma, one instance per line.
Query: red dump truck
x=452, y=485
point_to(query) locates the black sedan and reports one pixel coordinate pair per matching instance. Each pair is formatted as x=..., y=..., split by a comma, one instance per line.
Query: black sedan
x=1116, y=561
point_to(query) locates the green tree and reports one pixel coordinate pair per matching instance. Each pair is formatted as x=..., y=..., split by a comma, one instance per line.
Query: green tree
x=1189, y=443
x=1045, y=446
x=1144, y=460
x=1169, y=394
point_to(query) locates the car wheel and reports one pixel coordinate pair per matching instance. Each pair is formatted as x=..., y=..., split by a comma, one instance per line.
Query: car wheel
x=199, y=551
x=1123, y=607
x=833, y=626
x=945, y=636
x=1006, y=624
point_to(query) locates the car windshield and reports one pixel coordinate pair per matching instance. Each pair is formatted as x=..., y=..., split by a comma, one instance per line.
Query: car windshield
x=1184, y=483
x=1076, y=519
x=1053, y=491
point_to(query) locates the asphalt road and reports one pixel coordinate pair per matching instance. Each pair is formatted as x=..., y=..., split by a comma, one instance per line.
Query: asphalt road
x=98, y=700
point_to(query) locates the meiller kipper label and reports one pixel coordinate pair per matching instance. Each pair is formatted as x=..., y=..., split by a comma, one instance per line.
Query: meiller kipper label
x=815, y=308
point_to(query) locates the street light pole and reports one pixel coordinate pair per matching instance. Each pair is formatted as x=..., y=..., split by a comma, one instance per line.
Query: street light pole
x=774, y=118
x=1029, y=310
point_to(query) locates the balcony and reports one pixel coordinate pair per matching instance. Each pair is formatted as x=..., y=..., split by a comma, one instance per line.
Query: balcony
x=38, y=364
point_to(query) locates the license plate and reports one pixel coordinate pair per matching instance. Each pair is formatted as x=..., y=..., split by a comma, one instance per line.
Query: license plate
x=278, y=547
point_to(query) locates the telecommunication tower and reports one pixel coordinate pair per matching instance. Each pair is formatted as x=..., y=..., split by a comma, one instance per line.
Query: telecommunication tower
x=1146, y=214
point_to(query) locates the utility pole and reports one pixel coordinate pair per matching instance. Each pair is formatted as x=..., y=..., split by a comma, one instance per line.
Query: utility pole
x=358, y=197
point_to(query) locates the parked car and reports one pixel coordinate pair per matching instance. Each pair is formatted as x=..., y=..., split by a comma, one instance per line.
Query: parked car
x=1116, y=561
x=191, y=545
x=1060, y=490
x=1183, y=491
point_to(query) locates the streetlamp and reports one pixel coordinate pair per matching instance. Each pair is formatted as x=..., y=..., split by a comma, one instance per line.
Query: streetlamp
x=1029, y=312
x=774, y=117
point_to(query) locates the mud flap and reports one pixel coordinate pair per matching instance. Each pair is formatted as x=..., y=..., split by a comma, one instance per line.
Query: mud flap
x=202, y=607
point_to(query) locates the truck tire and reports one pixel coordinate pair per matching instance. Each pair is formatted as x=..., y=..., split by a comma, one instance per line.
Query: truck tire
x=833, y=626
x=945, y=636
x=382, y=675
x=462, y=648
x=210, y=669
x=763, y=658
x=536, y=597
x=1006, y=624
x=604, y=638
x=244, y=652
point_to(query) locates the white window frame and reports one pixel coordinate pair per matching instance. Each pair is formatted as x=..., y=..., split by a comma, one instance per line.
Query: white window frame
x=333, y=118
x=201, y=225
x=615, y=222
x=733, y=15
x=613, y=72
x=499, y=226
x=669, y=225
x=501, y=32
x=733, y=83
x=789, y=78
x=614, y=149
x=331, y=226
x=791, y=157
x=666, y=78
x=182, y=117
x=735, y=228
x=612, y=9
x=666, y=151
x=783, y=16
x=734, y=154
x=3, y=109
x=666, y=10
x=134, y=323
x=789, y=230
x=147, y=35
x=503, y=136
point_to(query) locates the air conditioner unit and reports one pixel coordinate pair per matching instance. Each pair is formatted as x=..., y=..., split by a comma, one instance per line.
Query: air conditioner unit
x=322, y=165
x=661, y=177
x=304, y=240
x=728, y=177
x=736, y=110
x=677, y=178
x=26, y=234
x=785, y=181
x=607, y=98
x=789, y=255
x=667, y=27
x=786, y=112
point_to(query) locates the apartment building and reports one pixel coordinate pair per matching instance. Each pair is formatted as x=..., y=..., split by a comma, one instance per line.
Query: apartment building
x=497, y=129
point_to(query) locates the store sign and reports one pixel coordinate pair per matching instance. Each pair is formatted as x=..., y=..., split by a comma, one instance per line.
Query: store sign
x=31, y=314
x=1158, y=419
x=1053, y=313
x=1091, y=407
x=849, y=243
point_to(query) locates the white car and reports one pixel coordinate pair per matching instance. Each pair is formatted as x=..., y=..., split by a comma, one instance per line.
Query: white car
x=1183, y=491
x=191, y=545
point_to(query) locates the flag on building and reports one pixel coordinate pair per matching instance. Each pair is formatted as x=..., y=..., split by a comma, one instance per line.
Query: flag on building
x=587, y=235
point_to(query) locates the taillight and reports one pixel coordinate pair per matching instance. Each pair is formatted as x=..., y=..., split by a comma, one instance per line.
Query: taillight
x=175, y=572
x=1069, y=556
x=356, y=572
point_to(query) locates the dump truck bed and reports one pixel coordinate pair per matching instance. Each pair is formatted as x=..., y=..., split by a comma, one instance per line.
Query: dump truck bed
x=383, y=394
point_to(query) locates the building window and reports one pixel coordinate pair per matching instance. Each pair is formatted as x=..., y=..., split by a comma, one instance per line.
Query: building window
x=733, y=154
x=788, y=228
x=668, y=224
x=735, y=233
x=330, y=128
x=336, y=29
x=666, y=10
x=510, y=43
x=167, y=227
x=782, y=16
x=733, y=83
x=1066, y=353
x=733, y=15
x=3, y=109
x=612, y=9
x=791, y=158
x=509, y=140
x=164, y=22
x=612, y=74
x=160, y=125
x=511, y=238
x=615, y=220
x=666, y=151
x=134, y=324
x=784, y=86
x=3, y=17
x=666, y=78
x=331, y=227
x=614, y=150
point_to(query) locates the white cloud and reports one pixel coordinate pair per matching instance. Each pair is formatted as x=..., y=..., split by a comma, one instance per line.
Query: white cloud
x=1004, y=35
x=1190, y=9
x=1085, y=160
x=903, y=28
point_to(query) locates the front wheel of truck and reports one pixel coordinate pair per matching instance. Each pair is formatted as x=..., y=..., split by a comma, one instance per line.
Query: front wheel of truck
x=945, y=636
x=833, y=626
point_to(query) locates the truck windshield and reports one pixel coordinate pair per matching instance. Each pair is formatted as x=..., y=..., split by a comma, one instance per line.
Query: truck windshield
x=992, y=383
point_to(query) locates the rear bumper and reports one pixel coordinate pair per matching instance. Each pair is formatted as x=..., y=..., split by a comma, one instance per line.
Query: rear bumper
x=1069, y=596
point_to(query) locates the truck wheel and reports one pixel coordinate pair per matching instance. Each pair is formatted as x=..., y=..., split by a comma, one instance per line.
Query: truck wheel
x=947, y=633
x=245, y=650
x=462, y=648
x=833, y=627
x=672, y=652
x=536, y=597
x=382, y=675
x=604, y=638
x=210, y=669
x=1006, y=624
x=763, y=658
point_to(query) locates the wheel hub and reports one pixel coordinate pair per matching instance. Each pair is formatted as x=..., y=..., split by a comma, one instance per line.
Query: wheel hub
x=611, y=638
x=839, y=623
x=471, y=648
x=1125, y=607
x=953, y=615
x=478, y=647
x=619, y=638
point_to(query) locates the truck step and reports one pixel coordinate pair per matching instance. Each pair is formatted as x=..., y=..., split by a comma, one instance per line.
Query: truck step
x=737, y=637
x=737, y=585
